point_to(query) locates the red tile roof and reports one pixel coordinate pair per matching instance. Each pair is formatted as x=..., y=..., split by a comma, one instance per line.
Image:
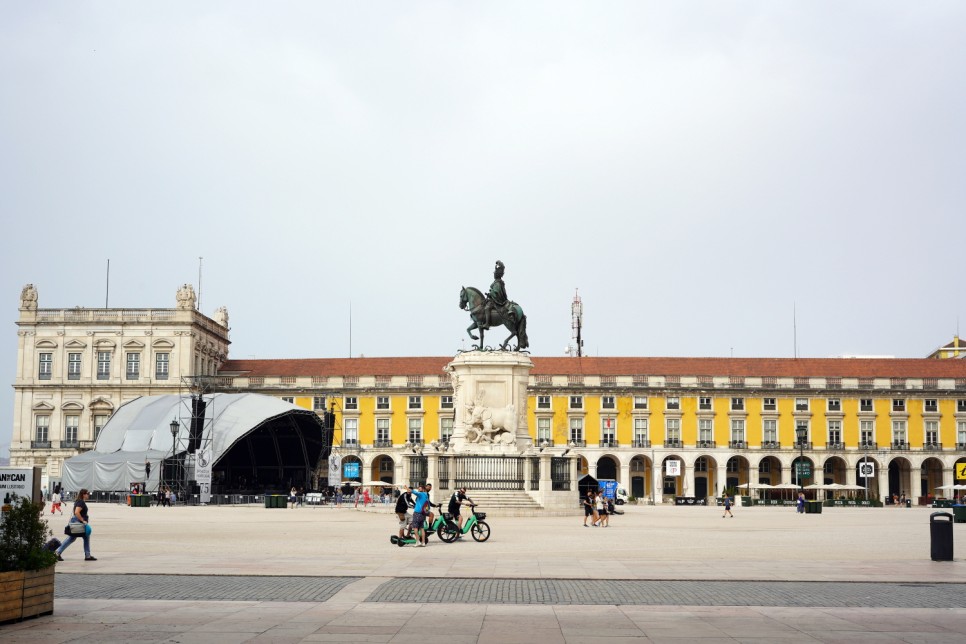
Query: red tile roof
x=561, y=366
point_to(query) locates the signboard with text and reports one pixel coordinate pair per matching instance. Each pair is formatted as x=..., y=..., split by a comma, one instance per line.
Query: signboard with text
x=335, y=464
x=350, y=471
x=672, y=467
x=19, y=481
x=203, y=474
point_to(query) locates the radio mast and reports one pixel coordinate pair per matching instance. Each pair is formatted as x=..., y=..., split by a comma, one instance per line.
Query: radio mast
x=576, y=347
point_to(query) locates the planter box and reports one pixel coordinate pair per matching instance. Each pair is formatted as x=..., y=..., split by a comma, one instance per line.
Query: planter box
x=26, y=594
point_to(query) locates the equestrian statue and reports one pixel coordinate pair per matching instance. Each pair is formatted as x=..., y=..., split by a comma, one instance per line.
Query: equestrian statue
x=495, y=309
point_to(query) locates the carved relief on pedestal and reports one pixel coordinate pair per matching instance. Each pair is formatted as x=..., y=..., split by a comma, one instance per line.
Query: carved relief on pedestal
x=488, y=425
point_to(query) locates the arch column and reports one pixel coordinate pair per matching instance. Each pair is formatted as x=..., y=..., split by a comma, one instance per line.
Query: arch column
x=657, y=481
x=850, y=473
x=882, y=479
x=720, y=479
x=688, y=478
x=625, y=476
x=591, y=466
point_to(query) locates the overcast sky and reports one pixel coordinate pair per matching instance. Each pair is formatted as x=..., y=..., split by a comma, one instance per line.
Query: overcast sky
x=696, y=169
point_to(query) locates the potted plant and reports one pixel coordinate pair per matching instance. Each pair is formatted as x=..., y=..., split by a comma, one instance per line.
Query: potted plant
x=26, y=565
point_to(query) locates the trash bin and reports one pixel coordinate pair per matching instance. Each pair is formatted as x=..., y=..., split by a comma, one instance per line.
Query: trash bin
x=813, y=507
x=908, y=503
x=959, y=513
x=941, y=536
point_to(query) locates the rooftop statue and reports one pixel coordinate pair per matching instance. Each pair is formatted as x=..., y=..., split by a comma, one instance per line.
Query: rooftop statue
x=495, y=309
x=28, y=298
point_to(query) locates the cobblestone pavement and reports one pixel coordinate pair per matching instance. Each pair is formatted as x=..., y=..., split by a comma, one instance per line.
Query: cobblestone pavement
x=199, y=587
x=517, y=591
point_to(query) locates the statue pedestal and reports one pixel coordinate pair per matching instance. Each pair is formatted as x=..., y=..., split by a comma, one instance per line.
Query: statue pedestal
x=490, y=399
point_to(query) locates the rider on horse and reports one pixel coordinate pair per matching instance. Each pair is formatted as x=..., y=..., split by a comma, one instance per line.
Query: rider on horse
x=496, y=299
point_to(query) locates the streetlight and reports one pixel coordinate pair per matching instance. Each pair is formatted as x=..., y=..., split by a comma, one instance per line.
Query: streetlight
x=802, y=433
x=175, y=426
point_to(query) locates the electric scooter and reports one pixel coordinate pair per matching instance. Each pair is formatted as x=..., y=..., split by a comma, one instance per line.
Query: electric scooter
x=410, y=539
x=475, y=525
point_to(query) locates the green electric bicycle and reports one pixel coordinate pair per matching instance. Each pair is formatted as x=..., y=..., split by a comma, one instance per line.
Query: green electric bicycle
x=475, y=526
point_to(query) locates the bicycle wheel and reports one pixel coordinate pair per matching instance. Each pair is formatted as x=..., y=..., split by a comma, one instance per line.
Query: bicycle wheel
x=447, y=533
x=480, y=531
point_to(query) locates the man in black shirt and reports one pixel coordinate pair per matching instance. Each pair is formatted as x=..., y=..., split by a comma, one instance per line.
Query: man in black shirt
x=404, y=506
x=459, y=498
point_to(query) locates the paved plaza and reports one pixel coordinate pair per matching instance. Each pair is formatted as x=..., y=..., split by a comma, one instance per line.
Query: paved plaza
x=659, y=573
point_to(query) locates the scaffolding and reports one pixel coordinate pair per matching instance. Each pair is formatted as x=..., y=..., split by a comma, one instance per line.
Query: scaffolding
x=191, y=433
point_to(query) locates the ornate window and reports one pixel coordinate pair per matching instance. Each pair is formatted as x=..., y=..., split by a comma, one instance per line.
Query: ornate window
x=46, y=366
x=161, y=365
x=103, y=365
x=133, y=371
x=73, y=366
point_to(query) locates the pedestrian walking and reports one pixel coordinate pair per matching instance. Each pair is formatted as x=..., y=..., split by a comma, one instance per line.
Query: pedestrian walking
x=727, y=504
x=800, y=504
x=80, y=515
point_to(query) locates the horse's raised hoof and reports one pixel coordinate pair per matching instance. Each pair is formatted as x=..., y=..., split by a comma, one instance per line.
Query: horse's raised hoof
x=474, y=337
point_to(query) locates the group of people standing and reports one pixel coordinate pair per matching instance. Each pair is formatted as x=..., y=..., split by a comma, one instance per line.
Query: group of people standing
x=598, y=508
x=414, y=509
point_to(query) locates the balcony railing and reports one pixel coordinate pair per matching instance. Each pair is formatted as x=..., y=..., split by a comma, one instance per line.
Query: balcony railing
x=738, y=444
x=770, y=445
x=641, y=442
x=580, y=443
x=608, y=443
x=932, y=447
x=705, y=444
x=801, y=445
x=835, y=446
x=900, y=445
x=544, y=442
x=675, y=444
x=868, y=446
x=70, y=444
x=382, y=443
x=39, y=444
x=960, y=445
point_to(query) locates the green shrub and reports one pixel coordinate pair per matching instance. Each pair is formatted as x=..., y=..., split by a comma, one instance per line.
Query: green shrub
x=23, y=534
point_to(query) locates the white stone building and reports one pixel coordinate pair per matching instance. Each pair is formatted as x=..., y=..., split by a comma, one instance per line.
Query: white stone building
x=76, y=366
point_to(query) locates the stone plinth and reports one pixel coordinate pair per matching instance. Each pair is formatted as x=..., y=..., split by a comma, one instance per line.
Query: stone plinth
x=490, y=400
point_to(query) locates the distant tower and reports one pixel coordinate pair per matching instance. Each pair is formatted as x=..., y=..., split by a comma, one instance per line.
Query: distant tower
x=576, y=347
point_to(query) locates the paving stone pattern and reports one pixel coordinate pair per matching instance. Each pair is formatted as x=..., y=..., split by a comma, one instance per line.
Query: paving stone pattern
x=423, y=590
x=670, y=593
x=199, y=587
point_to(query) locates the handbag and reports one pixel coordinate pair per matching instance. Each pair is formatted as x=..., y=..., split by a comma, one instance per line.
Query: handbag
x=75, y=529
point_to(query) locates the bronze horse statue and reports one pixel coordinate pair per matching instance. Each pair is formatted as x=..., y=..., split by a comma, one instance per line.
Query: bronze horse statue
x=512, y=317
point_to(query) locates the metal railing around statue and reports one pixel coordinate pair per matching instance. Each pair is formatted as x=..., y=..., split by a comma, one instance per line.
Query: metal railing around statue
x=490, y=472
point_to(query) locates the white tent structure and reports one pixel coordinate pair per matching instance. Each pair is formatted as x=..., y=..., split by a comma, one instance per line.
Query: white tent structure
x=273, y=437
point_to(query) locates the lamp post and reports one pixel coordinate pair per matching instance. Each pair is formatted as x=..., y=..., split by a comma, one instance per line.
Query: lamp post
x=175, y=426
x=802, y=433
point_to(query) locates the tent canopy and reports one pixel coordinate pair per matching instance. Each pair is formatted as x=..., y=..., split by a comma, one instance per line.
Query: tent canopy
x=282, y=436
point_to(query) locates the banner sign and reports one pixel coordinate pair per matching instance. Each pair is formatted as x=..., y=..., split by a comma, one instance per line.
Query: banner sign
x=203, y=474
x=335, y=467
x=866, y=470
x=672, y=467
x=960, y=471
x=16, y=482
x=350, y=471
